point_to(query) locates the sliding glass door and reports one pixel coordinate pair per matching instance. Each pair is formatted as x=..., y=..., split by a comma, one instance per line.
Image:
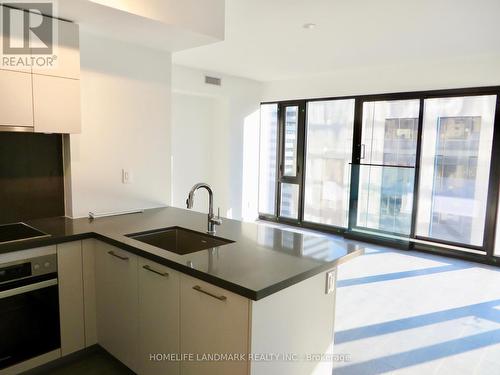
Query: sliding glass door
x=422, y=168
x=455, y=167
x=386, y=172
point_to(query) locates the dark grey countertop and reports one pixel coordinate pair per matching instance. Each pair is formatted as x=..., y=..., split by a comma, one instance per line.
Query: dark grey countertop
x=263, y=259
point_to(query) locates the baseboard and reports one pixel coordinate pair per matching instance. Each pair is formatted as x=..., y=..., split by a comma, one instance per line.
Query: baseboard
x=46, y=368
x=31, y=363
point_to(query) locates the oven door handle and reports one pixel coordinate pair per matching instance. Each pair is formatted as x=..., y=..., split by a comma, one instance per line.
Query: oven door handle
x=27, y=288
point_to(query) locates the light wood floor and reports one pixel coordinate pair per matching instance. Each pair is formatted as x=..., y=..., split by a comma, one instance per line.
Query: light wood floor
x=401, y=312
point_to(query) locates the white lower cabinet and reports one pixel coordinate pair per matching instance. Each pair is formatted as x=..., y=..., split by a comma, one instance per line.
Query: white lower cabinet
x=89, y=307
x=117, y=304
x=158, y=318
x=146, y=314
x=149, y=314
x=71, y=308
x=213, y=321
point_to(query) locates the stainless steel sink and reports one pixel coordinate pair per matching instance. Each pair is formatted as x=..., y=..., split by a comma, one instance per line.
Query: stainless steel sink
x=179, y=240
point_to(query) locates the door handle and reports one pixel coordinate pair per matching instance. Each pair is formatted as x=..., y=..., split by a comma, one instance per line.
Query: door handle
x=362, y=151
x=199, y=289
x=148, y=268
x=111, y=252
x=27, y=288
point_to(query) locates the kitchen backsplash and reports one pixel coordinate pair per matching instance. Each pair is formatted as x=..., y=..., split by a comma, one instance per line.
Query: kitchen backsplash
x=31, y=176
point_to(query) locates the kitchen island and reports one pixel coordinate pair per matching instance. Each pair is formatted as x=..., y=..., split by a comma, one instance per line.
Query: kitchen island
x=262, y=304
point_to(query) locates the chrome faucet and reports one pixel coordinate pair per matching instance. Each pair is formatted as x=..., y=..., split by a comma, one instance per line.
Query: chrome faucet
x=212, y=220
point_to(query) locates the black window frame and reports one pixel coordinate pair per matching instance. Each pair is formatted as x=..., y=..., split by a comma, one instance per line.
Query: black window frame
x=484, y=253
x=281, y=177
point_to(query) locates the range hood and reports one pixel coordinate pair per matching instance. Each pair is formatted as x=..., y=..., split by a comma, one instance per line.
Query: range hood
x=8, y=128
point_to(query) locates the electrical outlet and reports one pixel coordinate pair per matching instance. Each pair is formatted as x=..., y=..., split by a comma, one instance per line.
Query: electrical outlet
x=126, y=176
x=330, y=281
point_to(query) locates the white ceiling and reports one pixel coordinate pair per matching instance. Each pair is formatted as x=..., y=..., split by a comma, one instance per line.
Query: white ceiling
x=265, y=39
x=162, y=24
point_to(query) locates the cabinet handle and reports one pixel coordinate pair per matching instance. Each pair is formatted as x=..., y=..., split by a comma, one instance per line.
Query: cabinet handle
x=198, y=289
x=111, y=252
x=148, y=268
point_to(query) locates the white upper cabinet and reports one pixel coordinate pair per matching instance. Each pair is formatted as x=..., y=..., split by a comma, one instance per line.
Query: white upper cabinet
x=56, y=104
x=65, y=49
x=45, y=95
x=14, y=39
x=16, y=106
x=56, y=89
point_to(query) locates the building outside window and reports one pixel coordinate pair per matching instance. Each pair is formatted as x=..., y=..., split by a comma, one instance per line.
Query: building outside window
x=267, y=158
x=376, y=185
x=455, y=166
x=329, y=130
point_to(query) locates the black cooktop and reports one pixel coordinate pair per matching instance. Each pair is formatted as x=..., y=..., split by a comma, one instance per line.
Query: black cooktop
x=18, y=232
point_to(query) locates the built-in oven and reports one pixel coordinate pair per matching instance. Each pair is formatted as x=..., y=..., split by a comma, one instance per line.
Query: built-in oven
x=29, y=309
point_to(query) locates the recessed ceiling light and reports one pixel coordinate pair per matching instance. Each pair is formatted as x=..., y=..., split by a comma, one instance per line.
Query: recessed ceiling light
x=309, y=25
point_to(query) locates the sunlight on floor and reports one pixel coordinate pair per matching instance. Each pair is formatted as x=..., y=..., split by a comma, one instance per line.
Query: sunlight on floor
x=412, y=313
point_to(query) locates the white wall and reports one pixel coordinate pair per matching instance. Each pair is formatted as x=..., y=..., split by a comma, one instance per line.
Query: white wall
x=457, y=73
x=192, y=156
x=215, y=139
x=125, y=98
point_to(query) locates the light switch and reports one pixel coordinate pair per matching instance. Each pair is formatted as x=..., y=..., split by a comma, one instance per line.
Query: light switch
x=126, y=176
x=330, y=281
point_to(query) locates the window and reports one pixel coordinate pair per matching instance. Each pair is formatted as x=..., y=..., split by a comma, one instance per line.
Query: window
x=328, y=154
x=291, y=160
x=290, y=141
x=387, y=169
x=412, y=167
x=289, y=205
x=455, y=167
x=268, y=158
